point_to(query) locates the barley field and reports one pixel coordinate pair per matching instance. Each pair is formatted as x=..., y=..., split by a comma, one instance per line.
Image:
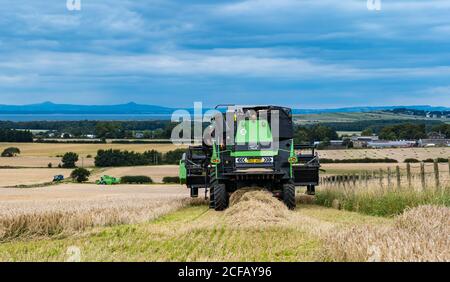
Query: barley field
x=337, y=169
x=10, y=177
x=52, y=150
x=29, y=176
x=399, y=154
x=39, y=162
x=34, y=155
x=68, y=208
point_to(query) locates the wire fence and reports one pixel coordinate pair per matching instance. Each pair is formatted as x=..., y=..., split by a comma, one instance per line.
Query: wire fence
x=415, y=176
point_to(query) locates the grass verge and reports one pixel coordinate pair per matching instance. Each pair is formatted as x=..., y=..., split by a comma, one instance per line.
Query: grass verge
x=389, y=203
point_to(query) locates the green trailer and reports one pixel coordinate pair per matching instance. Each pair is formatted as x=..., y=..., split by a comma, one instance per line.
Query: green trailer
x=108, y=180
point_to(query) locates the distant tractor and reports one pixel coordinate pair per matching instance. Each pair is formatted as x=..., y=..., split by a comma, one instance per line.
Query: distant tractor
x=108, y=180
x=58, y=178
x=252, y=159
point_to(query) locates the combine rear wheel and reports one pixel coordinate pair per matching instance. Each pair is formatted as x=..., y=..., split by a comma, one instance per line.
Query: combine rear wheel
x=220, y=197
x=289, y=195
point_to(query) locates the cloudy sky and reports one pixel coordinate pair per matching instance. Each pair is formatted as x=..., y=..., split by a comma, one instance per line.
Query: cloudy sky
x=307, y=54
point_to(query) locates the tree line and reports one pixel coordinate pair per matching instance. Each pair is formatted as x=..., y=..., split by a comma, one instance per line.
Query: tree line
x=153, y=129
x=12, y=135
x=408, y=131
x=310, y=134
x=386, y=129
x=114, y=157
x=443, y=129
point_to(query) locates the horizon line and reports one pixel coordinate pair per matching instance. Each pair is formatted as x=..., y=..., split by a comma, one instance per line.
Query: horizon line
x=207, y=106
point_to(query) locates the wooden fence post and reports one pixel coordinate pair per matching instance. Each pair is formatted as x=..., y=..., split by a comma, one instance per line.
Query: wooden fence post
x=381, y=176
x=436, y=174
x=422, y=176
x=397, y=170
x=449, y=166
x=408, y=174
x=389, y=177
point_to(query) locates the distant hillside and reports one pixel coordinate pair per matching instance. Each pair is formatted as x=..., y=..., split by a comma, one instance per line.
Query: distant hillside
x=422, y=113
x=133, y=108
x=51, y=108
x=369, y=109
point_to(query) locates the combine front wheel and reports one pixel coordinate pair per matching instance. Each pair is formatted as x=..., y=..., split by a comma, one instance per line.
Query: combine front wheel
x=220, y=197
x=289, y=195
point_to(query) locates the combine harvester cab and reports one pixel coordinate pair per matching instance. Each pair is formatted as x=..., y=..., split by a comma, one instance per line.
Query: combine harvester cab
x=253, y=158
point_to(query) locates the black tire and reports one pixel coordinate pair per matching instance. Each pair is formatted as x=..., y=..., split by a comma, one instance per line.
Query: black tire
x=311, y=190
x=211, y=198
x=194, y=192
x=220, y=197
x=289, y=195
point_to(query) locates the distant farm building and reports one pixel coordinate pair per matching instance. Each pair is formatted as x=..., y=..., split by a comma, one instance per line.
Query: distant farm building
x=362, y=141
x=139, y=135
x=435, y=139
x=337, y=144
x=391, y=144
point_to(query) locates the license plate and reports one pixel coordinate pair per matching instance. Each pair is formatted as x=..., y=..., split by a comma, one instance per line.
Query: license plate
x=254, y=161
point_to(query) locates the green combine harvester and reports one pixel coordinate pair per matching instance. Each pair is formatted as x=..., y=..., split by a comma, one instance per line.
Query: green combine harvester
x=252, y=159
x=108, y=180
